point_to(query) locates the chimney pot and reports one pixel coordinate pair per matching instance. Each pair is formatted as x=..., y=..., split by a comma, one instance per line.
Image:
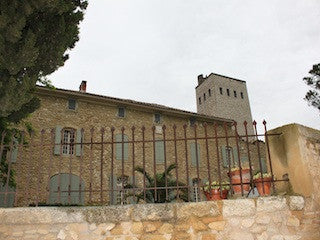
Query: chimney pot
x=200, y=79
x=83, y=86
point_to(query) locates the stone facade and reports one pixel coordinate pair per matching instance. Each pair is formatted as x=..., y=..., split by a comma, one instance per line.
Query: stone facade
x=36, y=166
x=228, y=98
x=270, y=218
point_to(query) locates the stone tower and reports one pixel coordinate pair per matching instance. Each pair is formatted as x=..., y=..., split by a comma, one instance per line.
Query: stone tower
x=224, y=97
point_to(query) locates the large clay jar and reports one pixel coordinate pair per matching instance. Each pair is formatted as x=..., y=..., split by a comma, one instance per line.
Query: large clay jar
x=214, y=194
x=235, y=179
x=265, y=188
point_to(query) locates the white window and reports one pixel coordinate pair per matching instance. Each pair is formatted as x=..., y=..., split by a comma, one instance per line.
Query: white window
x=68, y=141
x=122, y=193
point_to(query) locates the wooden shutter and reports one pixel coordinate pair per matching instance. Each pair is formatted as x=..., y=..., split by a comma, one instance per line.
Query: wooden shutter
x=264, y=165
x=159, y=146
x=57, y=140
x=193, y=153
x=191, y=191
x=235, y=156
x=119, y=147
x=79, y=140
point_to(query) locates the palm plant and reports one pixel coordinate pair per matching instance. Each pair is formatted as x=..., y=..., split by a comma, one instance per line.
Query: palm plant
x=161, y=180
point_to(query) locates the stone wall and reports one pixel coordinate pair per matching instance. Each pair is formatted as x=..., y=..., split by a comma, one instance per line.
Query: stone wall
x=296, y=154
x=270, y=218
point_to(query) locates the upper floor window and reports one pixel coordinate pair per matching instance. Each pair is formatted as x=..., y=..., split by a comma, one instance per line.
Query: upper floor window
x=220, y=90
x=199, y=100
x=192, y=121
x=157, y=118
x=241, y=94
x=204, y=97
x=68, y=141
x=235, y=93
x=209, y=91
x=228, y=92
x=121, y=112
x=72, y=104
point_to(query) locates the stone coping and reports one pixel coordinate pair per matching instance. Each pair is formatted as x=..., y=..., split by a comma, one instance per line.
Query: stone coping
x=149, y=212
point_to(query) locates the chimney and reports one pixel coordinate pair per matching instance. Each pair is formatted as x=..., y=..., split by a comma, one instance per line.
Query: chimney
x=83, y=86
x=200, y=79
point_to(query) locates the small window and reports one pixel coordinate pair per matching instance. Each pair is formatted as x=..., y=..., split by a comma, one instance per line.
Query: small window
x=221, y=90
x=200, y=100
x=209, y=91
x=68, y=141
x=235, y=93
x=72, y=104
x=157, y=118
x=241, y=95
x=204, y=97
x=228, y=92
x=121, y=112
x=192, y=121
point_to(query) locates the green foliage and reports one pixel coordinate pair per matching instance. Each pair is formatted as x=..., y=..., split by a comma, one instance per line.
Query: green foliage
x=216, y=185
x=160, y=181
x=313, y=95
x=35, y=36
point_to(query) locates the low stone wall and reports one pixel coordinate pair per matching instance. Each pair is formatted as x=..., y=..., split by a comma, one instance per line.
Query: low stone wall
x=274, y=218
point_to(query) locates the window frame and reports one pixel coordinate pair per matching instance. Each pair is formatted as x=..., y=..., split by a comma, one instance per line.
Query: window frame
x=228, y=92
x=199, y=100
x=241, y=94
x=124, y=112
x=75, y=104
x=155, y=118
x=209, y=92
x=235, y=93
x=221, y=91
x=68, y=148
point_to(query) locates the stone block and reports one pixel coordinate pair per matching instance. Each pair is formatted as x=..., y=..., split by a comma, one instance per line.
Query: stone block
x=218, y=226
x=166, y=228
x=208, y=236
x=153, y=237
x=152, y=212
x=271, y=204
x=238, y=207
x=247, y=222
x=263, y=219
x=296, y=203
x=236, y=235
x=105, y=214
x=293, y=221
x=137, y=228
x=277, y=237
x=199, y=209
x=263, y=236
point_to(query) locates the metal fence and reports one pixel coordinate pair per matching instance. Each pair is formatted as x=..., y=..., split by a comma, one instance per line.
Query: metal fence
x=66, y=166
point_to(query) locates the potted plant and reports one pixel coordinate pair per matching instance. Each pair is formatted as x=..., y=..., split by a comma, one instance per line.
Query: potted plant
x=263, y=188
x=236, y=179
x=214, y=191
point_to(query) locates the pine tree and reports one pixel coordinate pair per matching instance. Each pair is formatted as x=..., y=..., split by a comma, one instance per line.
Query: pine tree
x=35, y=37
x=313, y=95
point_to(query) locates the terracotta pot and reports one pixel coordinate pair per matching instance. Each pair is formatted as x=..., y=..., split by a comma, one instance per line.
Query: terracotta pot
x=266, y=185
x=235, y=179
x=214, y=194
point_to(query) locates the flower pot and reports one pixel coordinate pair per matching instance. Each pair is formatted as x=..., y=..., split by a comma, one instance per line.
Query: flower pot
x=214, y=194
x=266, y=185
x=235, y=179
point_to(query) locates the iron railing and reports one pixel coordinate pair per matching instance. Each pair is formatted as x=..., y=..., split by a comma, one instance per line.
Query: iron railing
x=129, y=165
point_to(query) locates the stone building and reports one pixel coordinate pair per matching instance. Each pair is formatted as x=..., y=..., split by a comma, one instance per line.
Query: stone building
x=224, y=97
x=93, y=147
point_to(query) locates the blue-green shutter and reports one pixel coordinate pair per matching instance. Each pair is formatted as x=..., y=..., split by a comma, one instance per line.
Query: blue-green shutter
x=159, y=146
x=113, y=189
x=10, y=196
x=244, y=160
x=235, y=156
x=264, y=165
x=224, y=156
x=57, y=140
x=119, y=147
x=191, y=191
x=64, y=186
x=79, y=140
x=14, y=151
x=193, y=153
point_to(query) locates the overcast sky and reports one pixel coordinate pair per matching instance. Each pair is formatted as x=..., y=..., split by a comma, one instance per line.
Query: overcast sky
x=153, y=51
